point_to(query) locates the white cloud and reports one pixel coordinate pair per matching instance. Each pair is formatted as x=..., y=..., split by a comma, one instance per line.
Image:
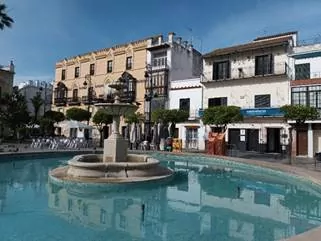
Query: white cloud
x=266, y=17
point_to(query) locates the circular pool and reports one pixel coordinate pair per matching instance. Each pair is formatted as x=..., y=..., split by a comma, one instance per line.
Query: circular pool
x=207, y=199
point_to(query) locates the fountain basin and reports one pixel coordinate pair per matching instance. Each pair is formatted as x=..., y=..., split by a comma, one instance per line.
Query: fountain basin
x=91, y=168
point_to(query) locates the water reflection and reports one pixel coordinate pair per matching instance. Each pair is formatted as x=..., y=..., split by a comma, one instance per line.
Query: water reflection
x=228, y=206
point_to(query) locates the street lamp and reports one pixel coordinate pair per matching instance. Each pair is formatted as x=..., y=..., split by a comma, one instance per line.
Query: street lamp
x=149, y=97
x=89, y=93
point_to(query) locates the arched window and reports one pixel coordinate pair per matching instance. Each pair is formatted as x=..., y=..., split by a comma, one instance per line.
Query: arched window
x=61, y=92
x=129, y=91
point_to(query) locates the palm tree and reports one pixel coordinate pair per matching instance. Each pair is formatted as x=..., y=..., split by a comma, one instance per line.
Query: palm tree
x=37, y=102
x=5, y=20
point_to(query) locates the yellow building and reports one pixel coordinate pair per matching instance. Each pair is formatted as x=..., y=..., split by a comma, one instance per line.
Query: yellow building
x=83, y=80
x=6, y=85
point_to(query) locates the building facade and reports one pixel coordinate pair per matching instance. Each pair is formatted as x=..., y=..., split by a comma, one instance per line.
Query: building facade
x=306, y=90
x=31, y=89
x=167, y=60
x=187, y=95
x=83, y=80
x=255, y=77
x=6, y=85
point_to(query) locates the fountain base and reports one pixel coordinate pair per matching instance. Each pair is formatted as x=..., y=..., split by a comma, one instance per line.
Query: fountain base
x=92, y=169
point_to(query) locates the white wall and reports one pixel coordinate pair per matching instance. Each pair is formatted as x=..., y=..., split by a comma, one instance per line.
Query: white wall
x=241, y=92
x=246, y=61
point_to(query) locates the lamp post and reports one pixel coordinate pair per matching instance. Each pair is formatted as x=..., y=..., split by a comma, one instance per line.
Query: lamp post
x=149, y=97
x=89, y=95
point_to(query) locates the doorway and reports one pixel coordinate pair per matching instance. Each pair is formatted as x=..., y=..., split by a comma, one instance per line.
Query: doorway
x=273, y=140
x=191, y=138
x=302, y=142
x=105, y=132
x=252, y=140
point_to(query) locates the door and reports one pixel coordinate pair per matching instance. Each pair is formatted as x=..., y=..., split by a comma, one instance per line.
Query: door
x=105, y=132
x=273, y=140
x=252, y=140
x=302, y=142
x=191, y=138
x=234, y=139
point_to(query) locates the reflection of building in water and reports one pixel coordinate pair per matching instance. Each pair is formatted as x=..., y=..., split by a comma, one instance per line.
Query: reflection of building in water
x=247, y=215
x=119, y=212
x=197, y=205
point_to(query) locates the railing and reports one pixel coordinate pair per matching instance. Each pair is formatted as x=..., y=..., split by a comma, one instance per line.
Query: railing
x=194, y=114
x=313, y=75
x=246, y=72
x=159, y=62
x=60, y=101
x=73, y=101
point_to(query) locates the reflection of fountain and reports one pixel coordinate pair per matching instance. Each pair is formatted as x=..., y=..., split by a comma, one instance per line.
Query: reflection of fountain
x=114, y=166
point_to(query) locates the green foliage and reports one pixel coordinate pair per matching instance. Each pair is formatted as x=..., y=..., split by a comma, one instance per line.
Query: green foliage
x=222, y=115
x=101, y=118
x=5, y=20
x=78, y=114
x=37, y=102
x=167, y=116
x=299, y=113
x=54, y=116
x=49, y=119
x=15, y=114
x=134, y=118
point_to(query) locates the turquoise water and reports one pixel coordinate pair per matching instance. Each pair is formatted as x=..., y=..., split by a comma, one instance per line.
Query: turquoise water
x=199, y=204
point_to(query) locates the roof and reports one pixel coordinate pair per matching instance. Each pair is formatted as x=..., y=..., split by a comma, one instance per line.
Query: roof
x=106, y=49
x=250, y=46
x=275, y=35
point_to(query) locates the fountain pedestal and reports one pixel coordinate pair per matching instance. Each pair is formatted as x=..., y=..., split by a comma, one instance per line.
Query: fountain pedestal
x=115, y=149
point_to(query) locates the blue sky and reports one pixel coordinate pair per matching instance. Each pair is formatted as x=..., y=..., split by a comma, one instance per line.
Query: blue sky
x=46, y=31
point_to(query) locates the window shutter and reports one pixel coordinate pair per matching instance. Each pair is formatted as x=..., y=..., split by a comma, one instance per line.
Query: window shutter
x=228, y=69
x=215, y=71
x=271, y=70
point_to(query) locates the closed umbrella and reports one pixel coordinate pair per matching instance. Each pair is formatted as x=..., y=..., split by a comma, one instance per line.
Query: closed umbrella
x=132, y=136
x=138, y=133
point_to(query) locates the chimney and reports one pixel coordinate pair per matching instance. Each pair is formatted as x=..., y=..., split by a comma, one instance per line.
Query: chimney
x=179, y=40
x=11, y=66
x=160, y=39
x=171, y=37
x=190, y=47
x=185, y=44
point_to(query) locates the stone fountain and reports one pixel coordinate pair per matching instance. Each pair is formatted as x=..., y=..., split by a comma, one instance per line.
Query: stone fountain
x=115, y=165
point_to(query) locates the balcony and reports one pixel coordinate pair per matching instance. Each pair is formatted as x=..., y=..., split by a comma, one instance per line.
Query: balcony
x=88, y=101
x=73, y=101
x=159, y=63
x=60, y=101
x=195, y=114
x=246, y=72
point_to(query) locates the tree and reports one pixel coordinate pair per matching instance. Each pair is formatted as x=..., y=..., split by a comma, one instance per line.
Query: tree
x=221, y=116
x=49, y=119
x=101, y=119
x=5, y=20
x=299, y=114
x=169, y=116
x=134, y=118
x=37, y=102
x=15, y=114
x=78, y=114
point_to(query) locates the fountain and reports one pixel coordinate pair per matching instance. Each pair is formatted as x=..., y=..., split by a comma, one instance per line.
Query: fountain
x=115, y=165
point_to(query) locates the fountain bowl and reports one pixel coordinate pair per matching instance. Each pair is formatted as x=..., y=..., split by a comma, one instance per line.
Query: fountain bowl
x=118, y=109
x=91, y=168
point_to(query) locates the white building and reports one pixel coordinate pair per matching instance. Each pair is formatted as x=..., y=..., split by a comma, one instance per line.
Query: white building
x=187, y=94
x=31, y=88
x=253, y=76
x=167, y=60
x=306, y=90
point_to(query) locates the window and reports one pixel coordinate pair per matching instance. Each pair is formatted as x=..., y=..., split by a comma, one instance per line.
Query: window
x=75, y=94
x=63, y=74
x=76, y=72
x=264, y=64
x=92, y=69
x=90, y=93
x=159, y=59
x=217, y=101
x=184, y=104
x=308, y=96
x=109, y=66
x=261, y=101
x=221, y=70
x=69, y=204
x=302, y=71
x=103, y=216
x=129, y=62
